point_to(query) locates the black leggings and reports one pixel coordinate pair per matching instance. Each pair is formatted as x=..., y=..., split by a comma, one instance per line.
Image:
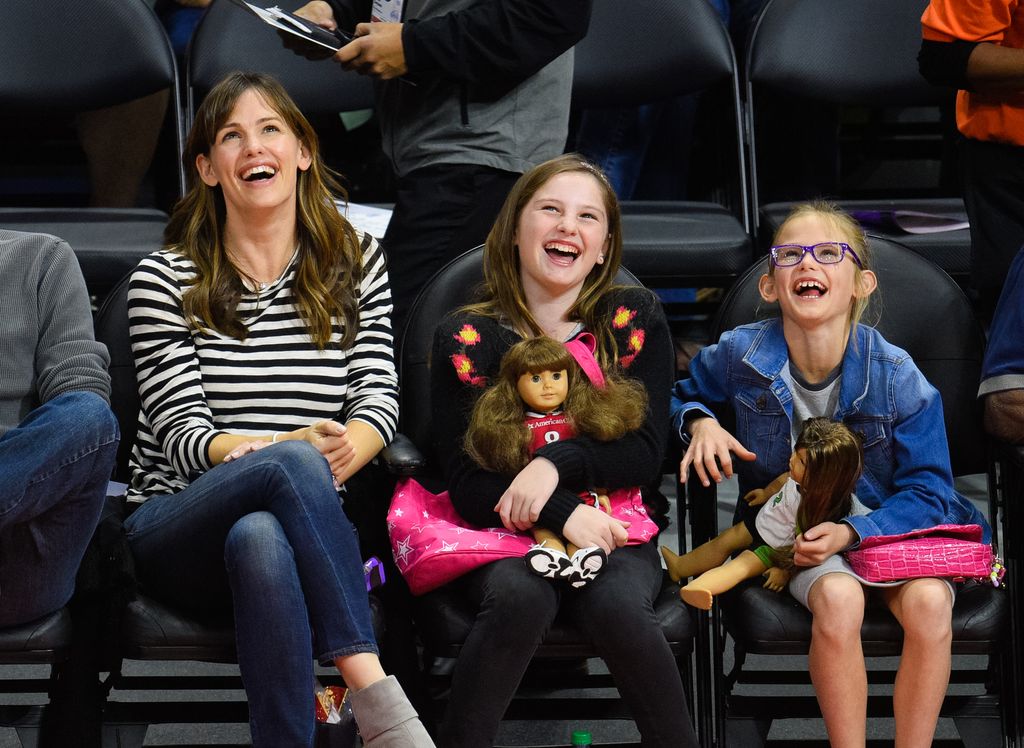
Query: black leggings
x=617, y=613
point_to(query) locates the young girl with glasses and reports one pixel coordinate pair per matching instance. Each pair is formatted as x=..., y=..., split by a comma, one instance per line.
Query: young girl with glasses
x=815, y=359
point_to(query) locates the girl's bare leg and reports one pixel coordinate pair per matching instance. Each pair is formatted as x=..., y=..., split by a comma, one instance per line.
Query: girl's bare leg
x=837, y=658
x=924, y=608
x=360, y=670
x=701, y=591
x=708, y=555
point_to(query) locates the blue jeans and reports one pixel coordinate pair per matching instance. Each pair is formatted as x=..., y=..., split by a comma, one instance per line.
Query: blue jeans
x=54, y=470
x=266, y=536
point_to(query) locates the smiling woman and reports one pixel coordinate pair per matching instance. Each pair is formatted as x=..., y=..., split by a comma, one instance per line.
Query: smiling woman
x=263, y=350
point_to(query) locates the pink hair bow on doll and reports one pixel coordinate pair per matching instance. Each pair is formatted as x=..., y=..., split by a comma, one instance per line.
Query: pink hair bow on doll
x=582, y=349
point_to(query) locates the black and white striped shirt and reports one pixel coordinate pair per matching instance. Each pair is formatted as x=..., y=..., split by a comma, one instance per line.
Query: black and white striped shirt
x=196, y=384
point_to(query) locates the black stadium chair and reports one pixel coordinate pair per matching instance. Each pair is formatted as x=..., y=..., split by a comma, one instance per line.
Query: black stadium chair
x=442, y=617
x=652, y=50
x=760, y=622
x=848, y=53
x=228, y=38
x=70, y=57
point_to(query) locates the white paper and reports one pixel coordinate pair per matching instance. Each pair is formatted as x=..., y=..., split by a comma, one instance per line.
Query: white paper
x=370, y=219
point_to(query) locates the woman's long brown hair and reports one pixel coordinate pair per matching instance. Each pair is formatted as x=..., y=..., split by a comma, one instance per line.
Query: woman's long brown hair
x=329, y=258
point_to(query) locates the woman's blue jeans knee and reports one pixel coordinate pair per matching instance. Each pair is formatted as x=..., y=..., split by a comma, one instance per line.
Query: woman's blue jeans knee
x=269, y=527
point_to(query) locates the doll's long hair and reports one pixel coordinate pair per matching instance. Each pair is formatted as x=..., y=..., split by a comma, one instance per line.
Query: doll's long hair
x=498, y=438
x=832, y=465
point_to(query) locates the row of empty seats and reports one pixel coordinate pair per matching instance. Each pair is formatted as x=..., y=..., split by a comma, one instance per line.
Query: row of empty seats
x=853, y=53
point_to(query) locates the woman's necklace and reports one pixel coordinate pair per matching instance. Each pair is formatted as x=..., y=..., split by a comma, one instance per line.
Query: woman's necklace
x=254, y=284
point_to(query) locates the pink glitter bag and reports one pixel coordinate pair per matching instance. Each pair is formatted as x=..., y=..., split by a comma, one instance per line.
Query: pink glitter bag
x=953, y=551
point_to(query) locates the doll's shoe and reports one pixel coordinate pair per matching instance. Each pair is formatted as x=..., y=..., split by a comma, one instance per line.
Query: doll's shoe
x=587, y=563
x=549, y=563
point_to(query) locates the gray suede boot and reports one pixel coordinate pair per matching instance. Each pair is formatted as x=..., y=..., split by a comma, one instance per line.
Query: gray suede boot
x=386, y=719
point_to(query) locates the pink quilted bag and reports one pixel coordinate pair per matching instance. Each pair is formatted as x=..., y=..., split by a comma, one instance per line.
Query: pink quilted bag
x=954, y=551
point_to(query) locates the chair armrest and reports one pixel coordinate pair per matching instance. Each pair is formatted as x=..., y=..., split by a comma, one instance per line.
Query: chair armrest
x=401, y=457
x=702, y=503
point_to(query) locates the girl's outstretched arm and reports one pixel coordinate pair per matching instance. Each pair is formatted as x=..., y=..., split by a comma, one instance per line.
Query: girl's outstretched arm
x=711, y=446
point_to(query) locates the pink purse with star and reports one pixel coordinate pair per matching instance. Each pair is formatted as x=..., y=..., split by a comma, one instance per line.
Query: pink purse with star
x=433, y=545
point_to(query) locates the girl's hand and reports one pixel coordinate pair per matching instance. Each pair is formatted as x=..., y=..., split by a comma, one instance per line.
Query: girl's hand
x=589, y=526
x=243, y=449
x=813, y=546
x=529, y=491
x=331, y=440
x=709, y=441
x=756, y=497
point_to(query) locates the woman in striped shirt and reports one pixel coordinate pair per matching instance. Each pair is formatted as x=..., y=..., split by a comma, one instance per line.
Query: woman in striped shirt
x=263, y=351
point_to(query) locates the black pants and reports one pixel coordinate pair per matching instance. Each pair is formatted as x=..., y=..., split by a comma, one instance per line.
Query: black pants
x=993, y=185
x=440, y=212
x=616, y=611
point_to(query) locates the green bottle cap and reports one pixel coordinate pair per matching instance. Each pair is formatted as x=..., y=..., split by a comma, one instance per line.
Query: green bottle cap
x=582, y=737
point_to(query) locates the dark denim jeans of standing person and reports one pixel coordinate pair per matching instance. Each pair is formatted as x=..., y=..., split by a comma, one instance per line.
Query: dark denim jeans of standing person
x=54, y=470
x=266, y=535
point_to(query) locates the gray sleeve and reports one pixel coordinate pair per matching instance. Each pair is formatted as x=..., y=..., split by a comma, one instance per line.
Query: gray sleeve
x=68, y=358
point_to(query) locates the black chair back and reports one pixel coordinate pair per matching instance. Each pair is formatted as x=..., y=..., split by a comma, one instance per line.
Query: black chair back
x=648, y=51
x=859, y=53
x=71, y=56
x=229, y=38
x=111, y=323
x=629, y=47
x=848, y=52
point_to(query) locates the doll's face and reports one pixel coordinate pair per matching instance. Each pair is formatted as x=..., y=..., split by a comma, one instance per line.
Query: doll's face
x=544, y=391
x=798, y=466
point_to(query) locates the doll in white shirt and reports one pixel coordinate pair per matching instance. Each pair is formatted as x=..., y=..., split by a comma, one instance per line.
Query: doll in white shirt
x=823, y=470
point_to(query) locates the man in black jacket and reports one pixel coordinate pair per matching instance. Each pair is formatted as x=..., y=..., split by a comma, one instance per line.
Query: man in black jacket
x=471, y=94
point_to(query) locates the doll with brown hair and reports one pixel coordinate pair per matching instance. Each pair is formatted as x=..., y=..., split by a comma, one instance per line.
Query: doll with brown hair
x=823, y=469
x=547, y=391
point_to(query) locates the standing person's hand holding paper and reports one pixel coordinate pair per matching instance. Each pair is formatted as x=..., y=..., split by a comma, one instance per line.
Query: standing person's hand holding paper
x=377, y=49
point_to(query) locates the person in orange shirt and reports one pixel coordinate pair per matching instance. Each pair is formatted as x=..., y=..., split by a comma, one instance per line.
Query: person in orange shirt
x=977, y=46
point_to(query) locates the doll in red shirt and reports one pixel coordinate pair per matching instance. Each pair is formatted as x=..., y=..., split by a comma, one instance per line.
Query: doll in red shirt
x=547, y=391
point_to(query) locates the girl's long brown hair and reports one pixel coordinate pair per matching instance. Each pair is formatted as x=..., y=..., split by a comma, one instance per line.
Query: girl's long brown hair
x=329, y=258
x=834, y=459
x=502, y=294
x=498, y=438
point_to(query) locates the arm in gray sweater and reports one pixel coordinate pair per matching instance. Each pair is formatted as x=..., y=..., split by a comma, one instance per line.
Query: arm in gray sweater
x=47, y=345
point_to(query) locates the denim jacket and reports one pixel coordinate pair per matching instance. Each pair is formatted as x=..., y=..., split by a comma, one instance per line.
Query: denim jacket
x=907, y=480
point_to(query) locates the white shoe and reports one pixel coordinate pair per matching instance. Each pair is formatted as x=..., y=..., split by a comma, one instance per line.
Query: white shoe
x=587, y=563
x=548, y=562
